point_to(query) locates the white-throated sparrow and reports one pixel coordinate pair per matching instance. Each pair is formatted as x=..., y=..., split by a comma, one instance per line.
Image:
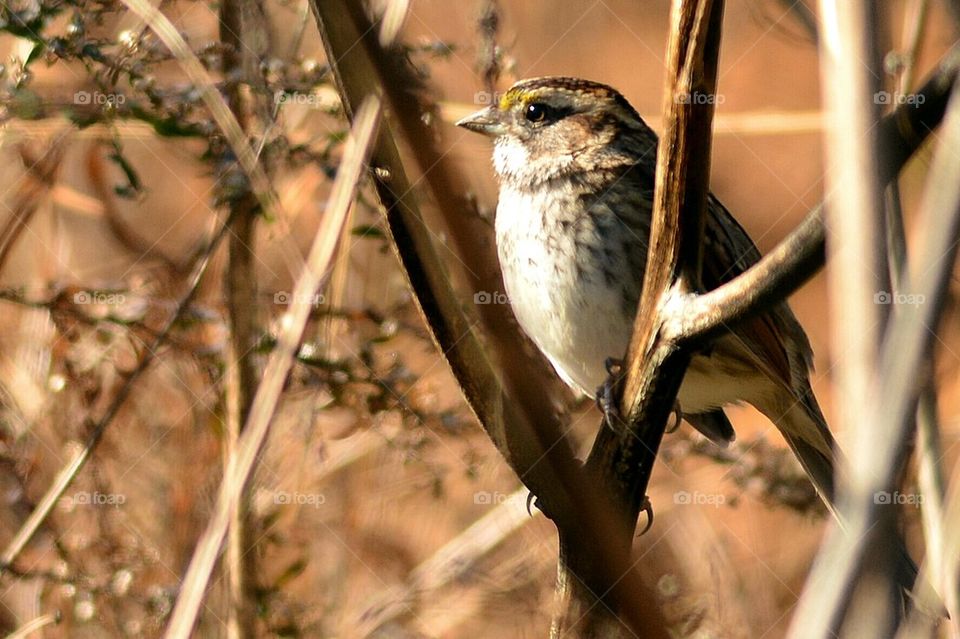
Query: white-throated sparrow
x=576, y=168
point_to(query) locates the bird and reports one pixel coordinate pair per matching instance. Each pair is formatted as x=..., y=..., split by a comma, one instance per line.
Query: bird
x=576, y=164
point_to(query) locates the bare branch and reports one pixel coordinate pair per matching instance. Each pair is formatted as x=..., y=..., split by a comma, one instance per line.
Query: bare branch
x=265, y=401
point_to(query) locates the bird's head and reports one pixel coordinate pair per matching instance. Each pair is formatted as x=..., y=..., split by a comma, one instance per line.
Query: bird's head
x=550, y=126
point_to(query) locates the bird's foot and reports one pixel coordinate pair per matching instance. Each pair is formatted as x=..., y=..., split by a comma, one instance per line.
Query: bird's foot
x=647, y=508
x=607, y=393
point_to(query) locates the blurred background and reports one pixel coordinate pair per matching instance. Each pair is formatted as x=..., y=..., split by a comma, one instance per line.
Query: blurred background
x=380, y=508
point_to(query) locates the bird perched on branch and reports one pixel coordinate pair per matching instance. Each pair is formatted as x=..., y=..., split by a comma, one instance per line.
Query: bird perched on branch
x=576, y=166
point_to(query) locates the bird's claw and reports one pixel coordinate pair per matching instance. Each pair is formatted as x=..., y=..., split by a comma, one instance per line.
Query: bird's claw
x=647, y=508
x=607, y=395
x=672, y=428
x=531, y=501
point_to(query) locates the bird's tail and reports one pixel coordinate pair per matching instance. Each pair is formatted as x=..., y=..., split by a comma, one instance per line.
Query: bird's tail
x=800, y=420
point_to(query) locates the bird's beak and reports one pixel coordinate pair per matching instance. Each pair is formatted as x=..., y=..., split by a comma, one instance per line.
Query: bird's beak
x=485, y=122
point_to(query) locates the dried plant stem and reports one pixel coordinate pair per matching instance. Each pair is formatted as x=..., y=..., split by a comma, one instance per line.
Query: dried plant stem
x=28, y=629
x=38, y=180
x=448, y=563
x=890, y=406
x=225, y=119
x=241, y=291
x=96, y=427
x=914, y=24
x=267, y=396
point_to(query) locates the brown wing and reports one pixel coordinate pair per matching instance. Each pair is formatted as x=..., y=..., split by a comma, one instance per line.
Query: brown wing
x=728, y=252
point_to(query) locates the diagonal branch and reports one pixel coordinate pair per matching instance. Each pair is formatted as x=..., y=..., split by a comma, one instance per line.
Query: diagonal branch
x=256, y=428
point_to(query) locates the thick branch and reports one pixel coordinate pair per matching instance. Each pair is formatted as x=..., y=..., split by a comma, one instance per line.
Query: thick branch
x=504, y=383
x=656, y=366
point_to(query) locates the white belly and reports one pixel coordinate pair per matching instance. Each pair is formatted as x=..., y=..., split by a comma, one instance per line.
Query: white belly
x=579, y=322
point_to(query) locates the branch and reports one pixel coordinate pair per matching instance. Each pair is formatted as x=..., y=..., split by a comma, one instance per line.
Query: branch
x=802, y=253
x=256, y=428
x=892, y=401
x=505, y=382
x=656, y=363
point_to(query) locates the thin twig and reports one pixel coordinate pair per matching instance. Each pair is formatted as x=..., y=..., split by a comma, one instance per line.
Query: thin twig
x=96, y=428
x=265, y=401
x=26, y=630
x=37, y=181
x=236, y=31
x=447, y=563
x=205, y=85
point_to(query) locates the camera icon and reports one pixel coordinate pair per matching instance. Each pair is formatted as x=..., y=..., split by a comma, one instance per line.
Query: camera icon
x=82, y=97
x=82, y=297
x=882, y=297
x=882, y=497
x=683, y=98
x=482, y=297
x=281, y=297
x=483, y=497
x=882, y=97
x=682, y=498
x=282, y=497
x=82, y=498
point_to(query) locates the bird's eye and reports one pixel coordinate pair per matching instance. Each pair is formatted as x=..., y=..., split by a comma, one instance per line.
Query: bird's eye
x=536, y=112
